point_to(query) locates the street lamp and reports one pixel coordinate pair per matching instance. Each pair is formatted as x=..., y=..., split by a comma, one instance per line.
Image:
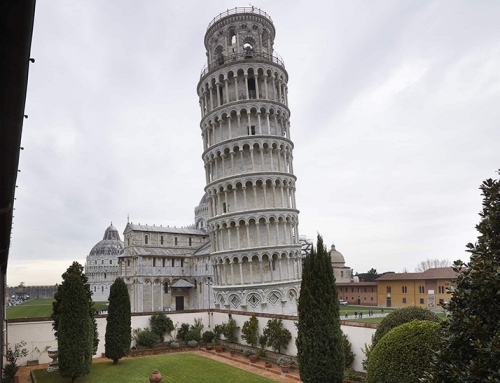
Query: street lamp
x=209, y=283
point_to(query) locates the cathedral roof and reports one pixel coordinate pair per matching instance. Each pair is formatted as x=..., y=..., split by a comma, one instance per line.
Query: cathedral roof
x=165, y=229
x=111, y=243
x=156, y=251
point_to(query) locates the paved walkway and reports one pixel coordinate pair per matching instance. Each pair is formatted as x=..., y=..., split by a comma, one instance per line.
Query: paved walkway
x=241, y=362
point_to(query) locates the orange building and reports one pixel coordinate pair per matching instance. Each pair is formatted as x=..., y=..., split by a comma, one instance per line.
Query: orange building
x=426, y=289
x=358, y=293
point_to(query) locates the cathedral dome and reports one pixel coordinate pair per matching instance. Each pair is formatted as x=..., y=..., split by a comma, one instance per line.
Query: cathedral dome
x=111, y=243
x=336, y=256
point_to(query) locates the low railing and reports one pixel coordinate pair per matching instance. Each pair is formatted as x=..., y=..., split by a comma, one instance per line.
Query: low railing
x=233, y=57
x=237, y=10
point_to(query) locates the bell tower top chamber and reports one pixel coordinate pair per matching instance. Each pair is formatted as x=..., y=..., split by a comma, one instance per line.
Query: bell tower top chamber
x=248, y=158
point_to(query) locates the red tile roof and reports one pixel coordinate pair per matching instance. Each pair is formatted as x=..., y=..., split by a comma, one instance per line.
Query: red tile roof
x=436, y=273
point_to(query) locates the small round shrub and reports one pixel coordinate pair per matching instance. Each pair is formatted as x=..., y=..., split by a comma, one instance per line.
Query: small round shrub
x=208, y=336
x=145, y=337
x=247, y=352
x=403, y=355
x=192, y=335
x=401, y=316
x=174, y=345
x=284, y=360
x=192, y=343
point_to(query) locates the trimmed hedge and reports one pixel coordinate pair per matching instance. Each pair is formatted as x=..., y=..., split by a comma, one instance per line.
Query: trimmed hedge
x=404, y=354
x=401, y=316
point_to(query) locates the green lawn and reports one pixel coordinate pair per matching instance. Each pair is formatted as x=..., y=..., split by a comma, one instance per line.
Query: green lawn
x=40, y=308
x=180, y=367
x=379, y=319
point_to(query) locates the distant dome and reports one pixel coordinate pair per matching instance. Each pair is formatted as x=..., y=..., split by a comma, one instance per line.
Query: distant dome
x=111, y=243
x=336, y=256
x=203, y=199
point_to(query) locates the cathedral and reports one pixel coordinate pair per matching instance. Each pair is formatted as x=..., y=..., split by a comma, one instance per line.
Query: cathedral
x=243, y=251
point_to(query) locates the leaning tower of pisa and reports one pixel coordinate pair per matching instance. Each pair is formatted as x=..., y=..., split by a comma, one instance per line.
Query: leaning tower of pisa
x=248, y=157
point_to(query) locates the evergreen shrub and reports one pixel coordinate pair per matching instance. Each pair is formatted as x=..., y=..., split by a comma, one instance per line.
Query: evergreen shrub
x=397, y=318
x=348, y=354
x=191, y=335
x=404, y=354
x=161, y=324
x=284, y=360
x=182, y=331
x=230, y=331
x=118, y=322
x=208, y=336
x=174, y=345
x=249, y=332
x=247, y=352
x=192, y=343
x=277, y=336
x=145, y=337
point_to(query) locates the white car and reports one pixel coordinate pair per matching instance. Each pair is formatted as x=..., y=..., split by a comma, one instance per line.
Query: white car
x=342, y=302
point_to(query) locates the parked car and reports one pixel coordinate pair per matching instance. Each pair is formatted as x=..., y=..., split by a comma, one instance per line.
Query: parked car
x=342, y=302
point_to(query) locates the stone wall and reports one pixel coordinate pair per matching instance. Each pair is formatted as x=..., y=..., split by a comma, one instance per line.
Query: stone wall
x=39, y=333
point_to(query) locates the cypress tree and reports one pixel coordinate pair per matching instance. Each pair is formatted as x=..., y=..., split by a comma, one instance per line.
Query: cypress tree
x=76, y=269
x=118, y=323
x=319, y=339
x=75, y=329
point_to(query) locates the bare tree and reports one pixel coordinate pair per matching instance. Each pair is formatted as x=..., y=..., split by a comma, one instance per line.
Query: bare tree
x=431, y=264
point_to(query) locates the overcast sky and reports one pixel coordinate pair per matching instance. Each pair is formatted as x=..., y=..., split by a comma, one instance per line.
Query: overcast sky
x=395, y=110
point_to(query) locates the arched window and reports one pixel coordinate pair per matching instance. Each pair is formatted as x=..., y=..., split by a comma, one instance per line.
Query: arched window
x=104, y=275
x=146, y=239
x=102, y=289
x=110, y=261
x=165, y=287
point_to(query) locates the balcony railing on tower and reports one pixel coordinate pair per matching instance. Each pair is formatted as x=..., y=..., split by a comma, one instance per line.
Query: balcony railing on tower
x=237, y=10
x=248, y=55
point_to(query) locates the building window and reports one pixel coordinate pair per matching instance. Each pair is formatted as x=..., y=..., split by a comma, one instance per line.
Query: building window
x=175, y=241
x=104, y=275
x=341, y=274
x=206, y=266
x=102, y=289
x=365, y=298
x=173, y=262
x=182, y=262
x=251, y=130
x=405, y=289
x=404, y=300
x=441, y=289
x=165, y=287
x=388, y=289
x=340, y=289
x=128, y=241
x=145, y=239
x=128, y=262
x=371, y=289
x=365, y=289
x=371, y=298
x=95, y=289
x=190, y=241
x=102, y=262
x=421, y=289
x=352, y=290
x=358, y=289
x=441, y=301
x=154, y=262
x=224, y=209
x=110, y=261
x=163, y=262
x=96, y=261
x=161, y=240
x=421, y=301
